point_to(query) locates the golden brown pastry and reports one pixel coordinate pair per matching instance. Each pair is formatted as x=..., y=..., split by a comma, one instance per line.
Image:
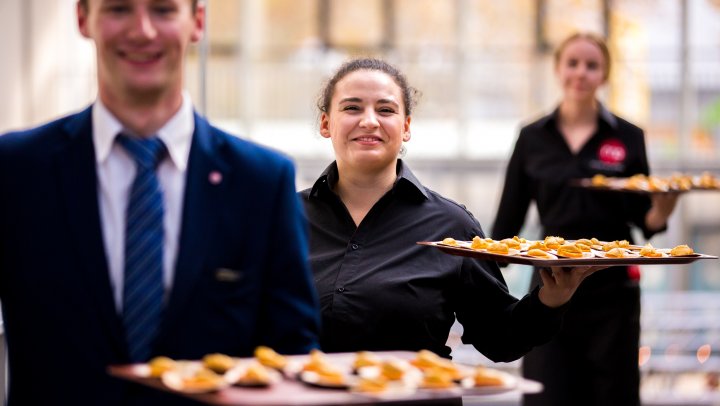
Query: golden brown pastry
x=498, y=248
x=255, y=374
x=327, y=373
x=554, y=242
x=615, y=253
x=203, y=380
x=219, y=363
x=268, y=357
x=569, y=250
x=584, y=241
x=681, y=182
x=394, y=369
x=159, y=365
x=488, y=377
x=583, y=247
x=316, y=362
x=538, y=253
x=681, y=250
x=330, y=375
x=707, y=180
x=450, y=241
x=656, y=184
x=636, y=182
x=649, y=251
x=372, y=385
x=366, y=359
x=538, y=245
x=437, y=378
x=427, y=360
x=616, y=244
x=479, y=243
x=511, y=243
x=600, y=180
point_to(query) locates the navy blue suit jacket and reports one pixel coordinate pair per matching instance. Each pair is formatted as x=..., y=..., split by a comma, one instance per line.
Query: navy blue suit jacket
x=241, y=280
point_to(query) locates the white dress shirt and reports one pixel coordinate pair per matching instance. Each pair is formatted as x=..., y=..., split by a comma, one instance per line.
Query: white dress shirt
x=116, y=172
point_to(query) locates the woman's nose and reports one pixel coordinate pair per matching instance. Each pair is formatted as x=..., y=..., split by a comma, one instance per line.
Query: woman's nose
x=369, y=119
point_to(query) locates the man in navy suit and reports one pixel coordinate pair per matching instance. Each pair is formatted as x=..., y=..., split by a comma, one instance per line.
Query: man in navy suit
x=234, y=271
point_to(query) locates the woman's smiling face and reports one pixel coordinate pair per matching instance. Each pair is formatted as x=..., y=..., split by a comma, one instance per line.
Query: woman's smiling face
x=581, y=69
x=366, y=121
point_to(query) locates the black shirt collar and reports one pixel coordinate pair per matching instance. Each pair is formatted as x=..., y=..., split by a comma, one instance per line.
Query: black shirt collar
x=604, y=116
x=405, y=185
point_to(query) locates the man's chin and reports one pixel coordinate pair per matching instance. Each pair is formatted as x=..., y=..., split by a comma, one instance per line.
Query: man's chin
x=146, y=91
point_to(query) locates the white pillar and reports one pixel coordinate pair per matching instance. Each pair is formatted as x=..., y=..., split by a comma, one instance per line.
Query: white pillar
x=11, y=78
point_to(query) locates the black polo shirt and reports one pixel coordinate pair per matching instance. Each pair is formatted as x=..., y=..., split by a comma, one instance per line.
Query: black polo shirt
x=542, y=167
x=381, y=291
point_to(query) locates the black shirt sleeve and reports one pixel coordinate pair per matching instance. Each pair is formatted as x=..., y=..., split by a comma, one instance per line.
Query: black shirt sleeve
x=494, y=321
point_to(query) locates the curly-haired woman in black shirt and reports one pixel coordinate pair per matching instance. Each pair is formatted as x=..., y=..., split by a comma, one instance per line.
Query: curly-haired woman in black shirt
x=378, y=289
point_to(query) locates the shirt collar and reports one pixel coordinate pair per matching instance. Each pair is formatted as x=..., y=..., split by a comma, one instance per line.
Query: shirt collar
x=604, y=115
x=176, y=133
x=405, y=184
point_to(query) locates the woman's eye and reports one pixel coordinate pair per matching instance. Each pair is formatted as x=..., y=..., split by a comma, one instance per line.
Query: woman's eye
x=117, y=9
x=346, y=108
x=387, y=110
x=163, y=9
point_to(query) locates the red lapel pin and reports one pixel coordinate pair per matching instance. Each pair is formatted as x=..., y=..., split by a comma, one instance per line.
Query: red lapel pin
x=215, y=177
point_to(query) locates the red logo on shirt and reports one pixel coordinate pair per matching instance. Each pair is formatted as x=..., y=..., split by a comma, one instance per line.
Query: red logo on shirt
x=612, y=151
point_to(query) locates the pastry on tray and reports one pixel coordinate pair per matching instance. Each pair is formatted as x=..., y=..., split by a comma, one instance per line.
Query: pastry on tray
x=219, y=363
x=681, y=250
x=160, y=365
x=498, y=248
x=268, y=357
x=569, y=251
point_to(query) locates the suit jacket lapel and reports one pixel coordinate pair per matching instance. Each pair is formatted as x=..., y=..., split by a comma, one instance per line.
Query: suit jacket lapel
x=78, y=189
x=203, y=190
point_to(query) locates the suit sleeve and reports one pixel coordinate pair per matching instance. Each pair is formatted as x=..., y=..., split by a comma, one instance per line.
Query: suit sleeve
x=516, y=195
x=290, y=319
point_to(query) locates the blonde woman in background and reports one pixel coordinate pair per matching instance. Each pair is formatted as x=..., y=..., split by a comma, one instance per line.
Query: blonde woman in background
x=594, y=358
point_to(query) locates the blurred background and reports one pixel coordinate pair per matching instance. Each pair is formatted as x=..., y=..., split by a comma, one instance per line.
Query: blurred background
x=483, y=67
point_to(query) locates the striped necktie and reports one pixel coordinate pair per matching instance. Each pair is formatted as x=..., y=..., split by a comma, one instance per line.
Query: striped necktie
x=143, y=288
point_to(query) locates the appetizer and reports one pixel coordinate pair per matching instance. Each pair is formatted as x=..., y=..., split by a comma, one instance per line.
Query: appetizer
x=649, y=251
x=488, y=377
x=570, y=251
x=268, y=357
x=450, y=241
x=366, y=359
x=160, y=365
x=219, y=363
x=498, y=248
x=479, y=243
x=538, y=253
x=437, y=378
x=681, y=250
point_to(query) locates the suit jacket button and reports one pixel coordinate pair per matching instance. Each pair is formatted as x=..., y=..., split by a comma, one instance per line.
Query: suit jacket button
x=340, y=290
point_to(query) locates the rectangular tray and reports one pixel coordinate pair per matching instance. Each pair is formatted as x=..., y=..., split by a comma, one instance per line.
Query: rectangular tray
x=586, y=183
x=290, y=391
x=541, y=263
